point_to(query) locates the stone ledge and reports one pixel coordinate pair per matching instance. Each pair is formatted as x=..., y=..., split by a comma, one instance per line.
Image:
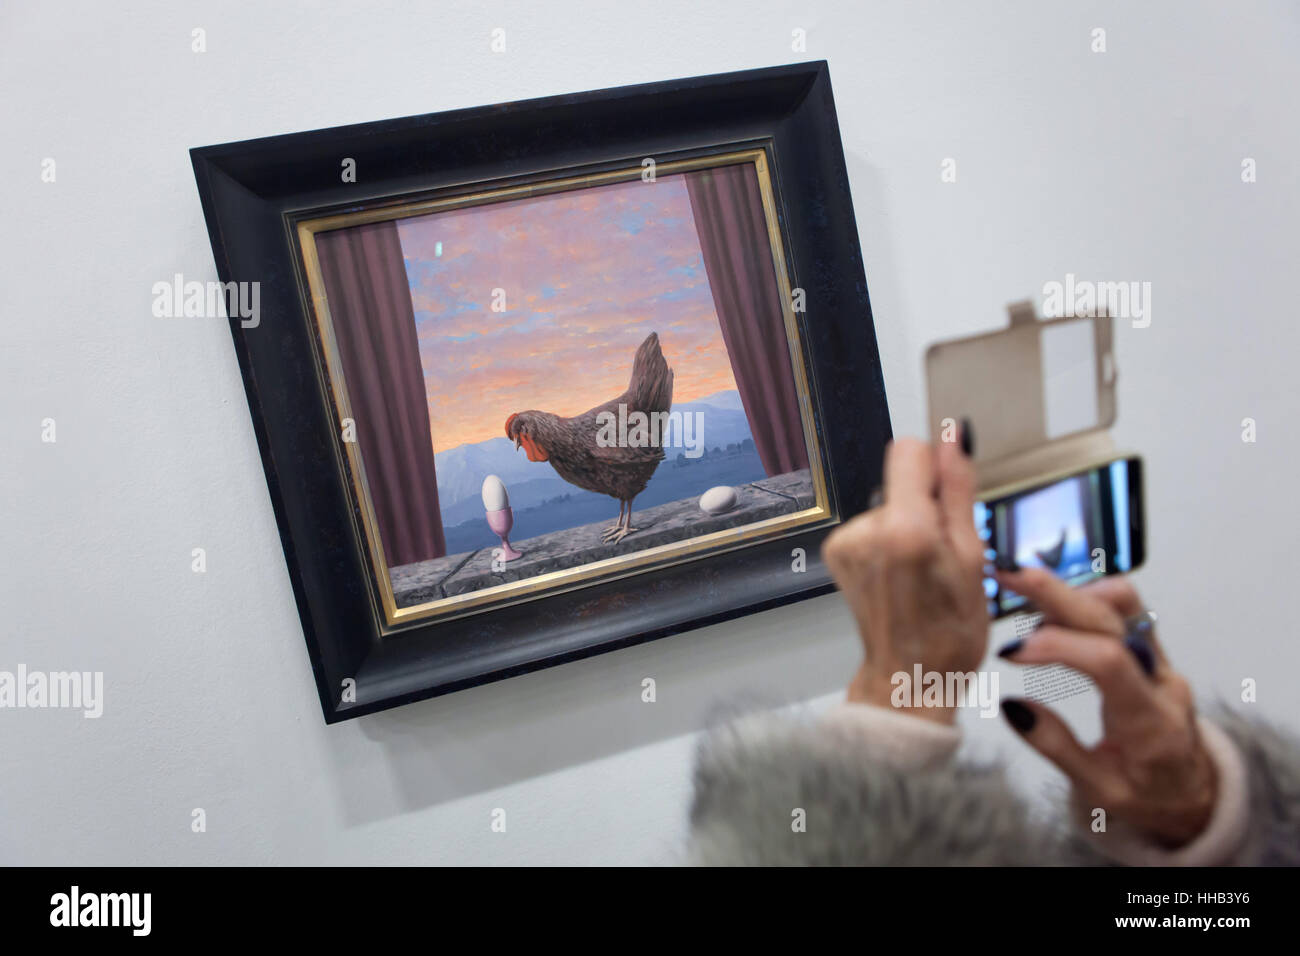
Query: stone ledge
x=454, y=574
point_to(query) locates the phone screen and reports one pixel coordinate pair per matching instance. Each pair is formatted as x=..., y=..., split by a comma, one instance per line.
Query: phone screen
x=1080, y=528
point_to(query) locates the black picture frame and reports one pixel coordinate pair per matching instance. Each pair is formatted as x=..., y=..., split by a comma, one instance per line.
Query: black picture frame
x=253, y=192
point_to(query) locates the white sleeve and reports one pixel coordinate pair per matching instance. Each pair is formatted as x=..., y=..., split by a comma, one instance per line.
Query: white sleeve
x=906, y=742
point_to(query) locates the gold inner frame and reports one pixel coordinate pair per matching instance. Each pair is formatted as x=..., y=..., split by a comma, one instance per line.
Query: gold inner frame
x=607, y=568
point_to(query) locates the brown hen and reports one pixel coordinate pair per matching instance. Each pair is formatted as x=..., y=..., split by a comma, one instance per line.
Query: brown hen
x=572, y=448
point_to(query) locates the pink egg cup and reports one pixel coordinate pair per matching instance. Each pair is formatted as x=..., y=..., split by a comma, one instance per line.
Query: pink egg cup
x=501, y=522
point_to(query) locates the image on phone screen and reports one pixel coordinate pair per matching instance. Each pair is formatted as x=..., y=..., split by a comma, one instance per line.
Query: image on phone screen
x=1080, y=528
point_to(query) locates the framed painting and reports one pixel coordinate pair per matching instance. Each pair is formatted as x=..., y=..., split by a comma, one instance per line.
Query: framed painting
x=545, y=379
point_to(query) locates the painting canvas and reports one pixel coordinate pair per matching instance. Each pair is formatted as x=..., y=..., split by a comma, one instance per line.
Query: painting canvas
x=539, y=389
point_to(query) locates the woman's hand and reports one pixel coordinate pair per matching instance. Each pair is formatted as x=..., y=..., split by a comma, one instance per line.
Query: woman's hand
x=911, y=572
x=1151, y=768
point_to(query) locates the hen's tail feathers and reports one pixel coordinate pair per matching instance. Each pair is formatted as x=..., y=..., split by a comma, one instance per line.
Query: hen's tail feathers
x=651, y=387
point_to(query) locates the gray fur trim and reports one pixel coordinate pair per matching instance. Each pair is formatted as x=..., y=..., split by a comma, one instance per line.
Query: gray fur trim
x=753, y=773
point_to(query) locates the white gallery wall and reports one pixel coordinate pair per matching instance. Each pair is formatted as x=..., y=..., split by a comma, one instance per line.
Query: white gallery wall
x=1117, y=165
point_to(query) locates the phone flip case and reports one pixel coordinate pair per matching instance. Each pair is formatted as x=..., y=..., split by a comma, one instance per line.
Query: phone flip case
x=996, y=381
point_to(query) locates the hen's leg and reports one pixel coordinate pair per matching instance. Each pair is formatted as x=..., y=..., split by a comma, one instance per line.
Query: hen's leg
x=617, y=525
x=626, y=528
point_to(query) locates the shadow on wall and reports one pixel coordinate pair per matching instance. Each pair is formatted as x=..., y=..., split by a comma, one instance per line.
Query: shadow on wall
x=899, y=351
x=492, y=736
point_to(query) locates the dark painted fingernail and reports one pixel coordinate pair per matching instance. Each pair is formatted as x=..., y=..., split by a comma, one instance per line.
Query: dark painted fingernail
x=875, y=499
x=1011, y=647
x=1005, y=562
x=1018, y=715
x=967, y=438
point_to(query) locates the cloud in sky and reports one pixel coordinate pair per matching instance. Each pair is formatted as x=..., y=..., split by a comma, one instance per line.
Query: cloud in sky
x=587, y=274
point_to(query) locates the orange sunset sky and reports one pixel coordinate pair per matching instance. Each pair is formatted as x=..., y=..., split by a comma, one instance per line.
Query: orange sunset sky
x=587, y=274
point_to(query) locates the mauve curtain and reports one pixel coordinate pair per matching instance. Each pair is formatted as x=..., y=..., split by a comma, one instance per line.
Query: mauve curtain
x=729, y=220
x=374, y=326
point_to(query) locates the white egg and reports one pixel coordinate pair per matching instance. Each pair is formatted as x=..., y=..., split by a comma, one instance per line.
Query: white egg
x=494, y=494
x=718, y=500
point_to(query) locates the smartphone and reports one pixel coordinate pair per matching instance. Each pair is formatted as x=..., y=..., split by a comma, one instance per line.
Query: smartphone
x=1081, y=527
